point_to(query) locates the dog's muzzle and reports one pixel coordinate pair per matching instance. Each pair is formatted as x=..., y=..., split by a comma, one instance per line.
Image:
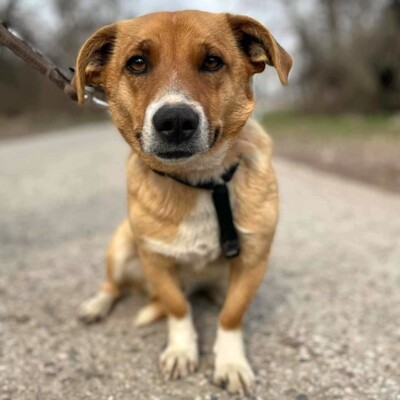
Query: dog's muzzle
x=175, y=128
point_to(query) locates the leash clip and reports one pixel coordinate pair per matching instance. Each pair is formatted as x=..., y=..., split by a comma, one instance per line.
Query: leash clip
x=92, y=97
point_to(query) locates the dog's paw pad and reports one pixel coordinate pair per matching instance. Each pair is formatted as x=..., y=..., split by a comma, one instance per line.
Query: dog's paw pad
x=177, y=362
x=95, y=308
x=235, y=377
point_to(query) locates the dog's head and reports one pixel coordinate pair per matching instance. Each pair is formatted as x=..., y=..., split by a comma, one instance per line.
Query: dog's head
x=179, y=84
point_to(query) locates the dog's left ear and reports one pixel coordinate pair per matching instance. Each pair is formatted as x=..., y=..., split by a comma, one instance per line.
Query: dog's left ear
x=260, y=46
x=92, y=59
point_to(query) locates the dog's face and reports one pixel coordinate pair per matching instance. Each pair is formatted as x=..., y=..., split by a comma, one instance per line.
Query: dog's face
x=179, y=84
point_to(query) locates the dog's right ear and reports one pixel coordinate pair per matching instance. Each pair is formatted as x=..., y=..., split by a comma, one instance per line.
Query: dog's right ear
x=92, y=59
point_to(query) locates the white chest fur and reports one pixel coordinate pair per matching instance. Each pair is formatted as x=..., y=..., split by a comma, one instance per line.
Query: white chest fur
x=197, y=241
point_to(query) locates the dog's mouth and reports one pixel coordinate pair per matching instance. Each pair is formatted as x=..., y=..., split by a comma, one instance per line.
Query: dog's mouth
x=175, y=155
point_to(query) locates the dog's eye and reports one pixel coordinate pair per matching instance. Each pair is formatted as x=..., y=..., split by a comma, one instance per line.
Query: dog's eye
x=136, y=65
x=212, y=64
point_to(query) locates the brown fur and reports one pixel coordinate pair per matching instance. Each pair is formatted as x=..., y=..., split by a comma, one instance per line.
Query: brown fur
x=176, y=43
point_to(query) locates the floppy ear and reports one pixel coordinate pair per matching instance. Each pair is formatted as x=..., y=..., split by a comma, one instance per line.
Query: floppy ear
x=92, y=59
x=260, y=46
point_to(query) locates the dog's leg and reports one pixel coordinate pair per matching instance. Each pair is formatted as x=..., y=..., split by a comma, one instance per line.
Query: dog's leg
x=231, y=366
x=180, y=357
x=122, y=265
x=149, y=313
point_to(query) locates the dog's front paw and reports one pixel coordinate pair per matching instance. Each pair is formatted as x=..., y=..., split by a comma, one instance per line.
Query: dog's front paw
x=96, y=308
x=235, y=375
x=177, y=362
x=232, y=370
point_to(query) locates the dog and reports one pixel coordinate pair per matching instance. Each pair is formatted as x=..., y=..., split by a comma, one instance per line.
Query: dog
x=179, y=89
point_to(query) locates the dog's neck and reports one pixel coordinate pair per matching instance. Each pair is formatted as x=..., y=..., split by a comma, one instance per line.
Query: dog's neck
x=204, y=184
x=220, y=197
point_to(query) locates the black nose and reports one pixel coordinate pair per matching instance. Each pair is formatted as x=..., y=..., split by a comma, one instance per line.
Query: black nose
x=176, y=123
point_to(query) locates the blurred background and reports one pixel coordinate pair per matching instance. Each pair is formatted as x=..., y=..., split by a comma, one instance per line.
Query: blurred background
x=340, y=112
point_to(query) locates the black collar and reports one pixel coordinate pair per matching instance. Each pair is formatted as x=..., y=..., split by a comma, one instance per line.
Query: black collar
x=208, y=185
x=228, y=235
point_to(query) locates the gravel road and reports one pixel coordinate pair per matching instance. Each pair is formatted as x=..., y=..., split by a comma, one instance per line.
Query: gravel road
x=325, y=324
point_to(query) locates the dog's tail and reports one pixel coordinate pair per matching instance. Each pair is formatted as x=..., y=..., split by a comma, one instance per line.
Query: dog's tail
x=149, y=313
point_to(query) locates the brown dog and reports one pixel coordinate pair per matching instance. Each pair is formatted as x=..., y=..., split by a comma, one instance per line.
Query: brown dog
x=179, y=91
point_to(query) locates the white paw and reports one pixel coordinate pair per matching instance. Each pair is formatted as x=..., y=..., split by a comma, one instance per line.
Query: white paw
x=96, y=308
x=232, y=370
x=180, y=358
x=177, y=362
x=148, y=314
x=236, y=376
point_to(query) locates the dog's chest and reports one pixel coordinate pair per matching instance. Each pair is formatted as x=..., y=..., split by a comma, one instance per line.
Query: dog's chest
x=197, y=241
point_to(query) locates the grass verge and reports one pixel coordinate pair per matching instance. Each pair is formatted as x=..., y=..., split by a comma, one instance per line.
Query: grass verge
x=366, y=148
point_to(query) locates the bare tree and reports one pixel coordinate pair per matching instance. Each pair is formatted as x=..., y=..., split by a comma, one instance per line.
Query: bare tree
x=351, y=55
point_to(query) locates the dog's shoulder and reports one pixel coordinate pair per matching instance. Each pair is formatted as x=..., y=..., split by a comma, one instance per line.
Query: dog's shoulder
x=255, y=147
x=255, y=186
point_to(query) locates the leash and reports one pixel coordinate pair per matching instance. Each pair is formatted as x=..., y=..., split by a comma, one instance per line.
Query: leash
x=229, y=239
x=25, y=50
